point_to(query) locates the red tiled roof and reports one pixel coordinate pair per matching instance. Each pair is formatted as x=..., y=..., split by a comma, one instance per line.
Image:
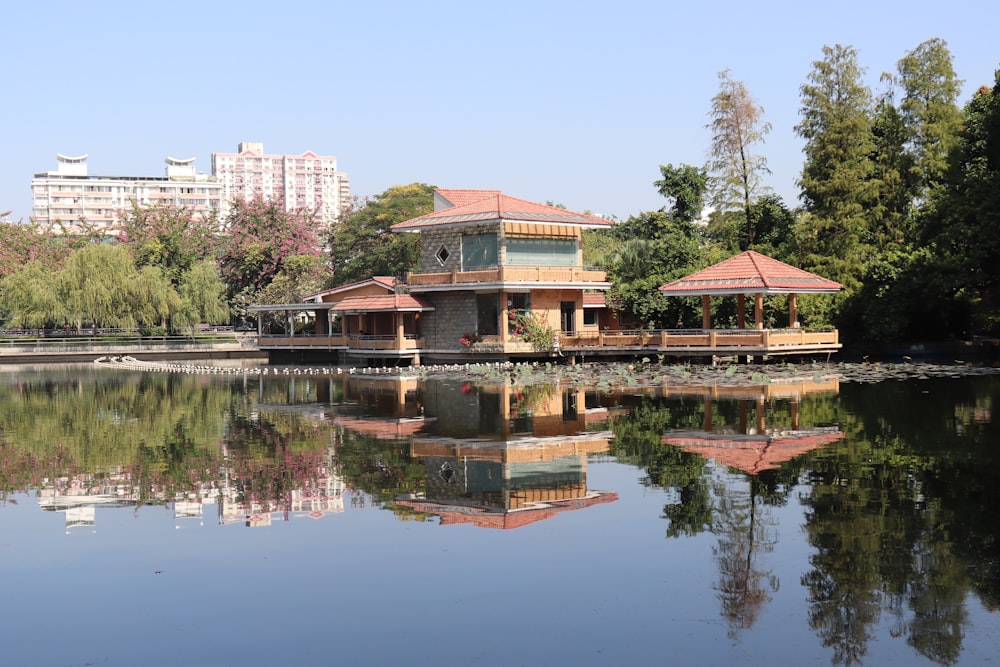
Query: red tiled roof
x=749, y=272
x=481, y=518
x=389, y=282
x=389, y=302
x=463, y=197
x=594, y=300
x=753, y=454
x=498, y=206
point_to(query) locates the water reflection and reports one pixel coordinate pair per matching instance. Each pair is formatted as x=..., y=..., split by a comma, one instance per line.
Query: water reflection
x=494, y=456
x=869, y=511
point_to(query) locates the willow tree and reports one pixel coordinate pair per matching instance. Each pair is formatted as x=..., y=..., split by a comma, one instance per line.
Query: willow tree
x=98, y=286
x=737, y=127
x=28, y=297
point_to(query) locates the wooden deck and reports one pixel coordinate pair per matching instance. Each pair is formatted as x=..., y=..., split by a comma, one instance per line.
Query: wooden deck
x=672, y=342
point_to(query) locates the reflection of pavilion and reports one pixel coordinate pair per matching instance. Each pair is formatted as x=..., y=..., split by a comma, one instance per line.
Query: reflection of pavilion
x=495, y=456
x=757, y=447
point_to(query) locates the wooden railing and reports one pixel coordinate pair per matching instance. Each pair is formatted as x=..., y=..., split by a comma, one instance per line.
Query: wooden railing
x=697, y=338
x=352, y=341
x=511, y=274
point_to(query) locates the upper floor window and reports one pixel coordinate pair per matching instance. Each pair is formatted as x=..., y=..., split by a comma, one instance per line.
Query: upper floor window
x=528, y=251
x=479, y=251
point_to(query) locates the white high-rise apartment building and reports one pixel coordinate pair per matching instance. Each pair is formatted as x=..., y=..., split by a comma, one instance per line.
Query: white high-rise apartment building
x=307, y=181
x=72, y=198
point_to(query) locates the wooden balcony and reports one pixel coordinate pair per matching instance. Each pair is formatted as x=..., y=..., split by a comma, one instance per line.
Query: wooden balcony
x=508, y=275
x=340, y=342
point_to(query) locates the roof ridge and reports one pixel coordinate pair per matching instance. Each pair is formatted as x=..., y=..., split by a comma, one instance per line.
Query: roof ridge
x=752, y=255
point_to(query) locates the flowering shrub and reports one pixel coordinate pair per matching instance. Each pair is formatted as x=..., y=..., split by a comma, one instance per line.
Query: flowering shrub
x=469, y=339
x=532, y=328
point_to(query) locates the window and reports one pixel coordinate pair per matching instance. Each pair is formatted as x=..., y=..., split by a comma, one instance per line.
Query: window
x=520, y=301
x=479, y=251
x=442, y=255
x=541, y=252
x=589, y=317
x=488, y=314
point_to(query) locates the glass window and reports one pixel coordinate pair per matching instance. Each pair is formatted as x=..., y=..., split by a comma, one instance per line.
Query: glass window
x=479, y=251
x=589, y=317
x=541, y=252
x=488, y=314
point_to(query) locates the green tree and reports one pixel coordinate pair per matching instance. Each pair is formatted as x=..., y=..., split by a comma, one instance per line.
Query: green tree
x=838, y=187
x=29, y=298
x=892, y=174
x=737, y=127
x=169, y=237
x=930, y=110
x=203, y=296
x=657, y=247
x=362, y=246
x=99, y=285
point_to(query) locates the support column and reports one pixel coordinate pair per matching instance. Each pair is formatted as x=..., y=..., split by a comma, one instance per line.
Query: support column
x=758, y=311
x=706, y=311
x=400, y=332
x=741, y=311
x=504, y=318
x=793, y=311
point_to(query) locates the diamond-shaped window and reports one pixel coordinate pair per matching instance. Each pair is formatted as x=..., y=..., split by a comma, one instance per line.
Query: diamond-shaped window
x=442, y=255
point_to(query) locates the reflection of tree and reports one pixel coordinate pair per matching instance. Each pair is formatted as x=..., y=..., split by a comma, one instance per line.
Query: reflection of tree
x=380, y=468
x=744, y=529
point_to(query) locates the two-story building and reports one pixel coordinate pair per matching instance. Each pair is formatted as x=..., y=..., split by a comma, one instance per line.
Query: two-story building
x=487, y=257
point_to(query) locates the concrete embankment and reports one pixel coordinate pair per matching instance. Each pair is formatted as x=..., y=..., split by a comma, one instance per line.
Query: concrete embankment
x=46, y=351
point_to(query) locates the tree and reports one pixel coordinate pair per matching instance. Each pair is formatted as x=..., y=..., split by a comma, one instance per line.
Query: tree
x=930, y=110
x=362, y=245
x=99, y=286
x=837, y=183
x=657, y=247
x=169, y=237
x=28, y=296
x=203, y=296
x=21, y=243
x=893, y=169
x=737, y=126
x=260, y=235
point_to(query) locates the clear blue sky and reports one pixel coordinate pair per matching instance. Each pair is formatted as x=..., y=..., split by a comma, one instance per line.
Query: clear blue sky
x=577, y=102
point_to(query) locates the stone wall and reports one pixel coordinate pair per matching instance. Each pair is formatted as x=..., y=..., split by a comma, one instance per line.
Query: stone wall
x=431, y=241
x=454, y=314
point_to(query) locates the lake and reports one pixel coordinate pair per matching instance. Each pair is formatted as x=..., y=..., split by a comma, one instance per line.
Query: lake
x=599, y=515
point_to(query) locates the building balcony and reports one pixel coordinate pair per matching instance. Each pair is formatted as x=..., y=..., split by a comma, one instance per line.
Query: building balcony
x=508, y=276
x=407, y=343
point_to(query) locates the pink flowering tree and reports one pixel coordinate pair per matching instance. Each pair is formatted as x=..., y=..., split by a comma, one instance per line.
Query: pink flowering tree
x=22, y=243
x=259, y=238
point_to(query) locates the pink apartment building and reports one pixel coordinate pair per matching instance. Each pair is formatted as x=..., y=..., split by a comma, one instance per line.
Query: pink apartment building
x=304, y=181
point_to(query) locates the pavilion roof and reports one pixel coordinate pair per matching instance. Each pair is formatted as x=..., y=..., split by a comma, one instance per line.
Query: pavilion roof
x=382, y=302
x=750, y=273
x=753, y=453
x=492, y=205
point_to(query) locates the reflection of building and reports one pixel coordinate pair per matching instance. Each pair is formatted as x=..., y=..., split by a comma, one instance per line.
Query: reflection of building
x=755, y=446
x=495, y=456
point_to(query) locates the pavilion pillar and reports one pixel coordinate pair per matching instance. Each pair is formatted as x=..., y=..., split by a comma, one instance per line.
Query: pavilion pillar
x=741, y=311
x=761, y=426
x=706, y=311
x=504, y=318
x=400, y=332
x=793, y=310
x=758, y=311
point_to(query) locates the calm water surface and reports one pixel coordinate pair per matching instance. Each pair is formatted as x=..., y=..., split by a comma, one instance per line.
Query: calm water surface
x=157, y=519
